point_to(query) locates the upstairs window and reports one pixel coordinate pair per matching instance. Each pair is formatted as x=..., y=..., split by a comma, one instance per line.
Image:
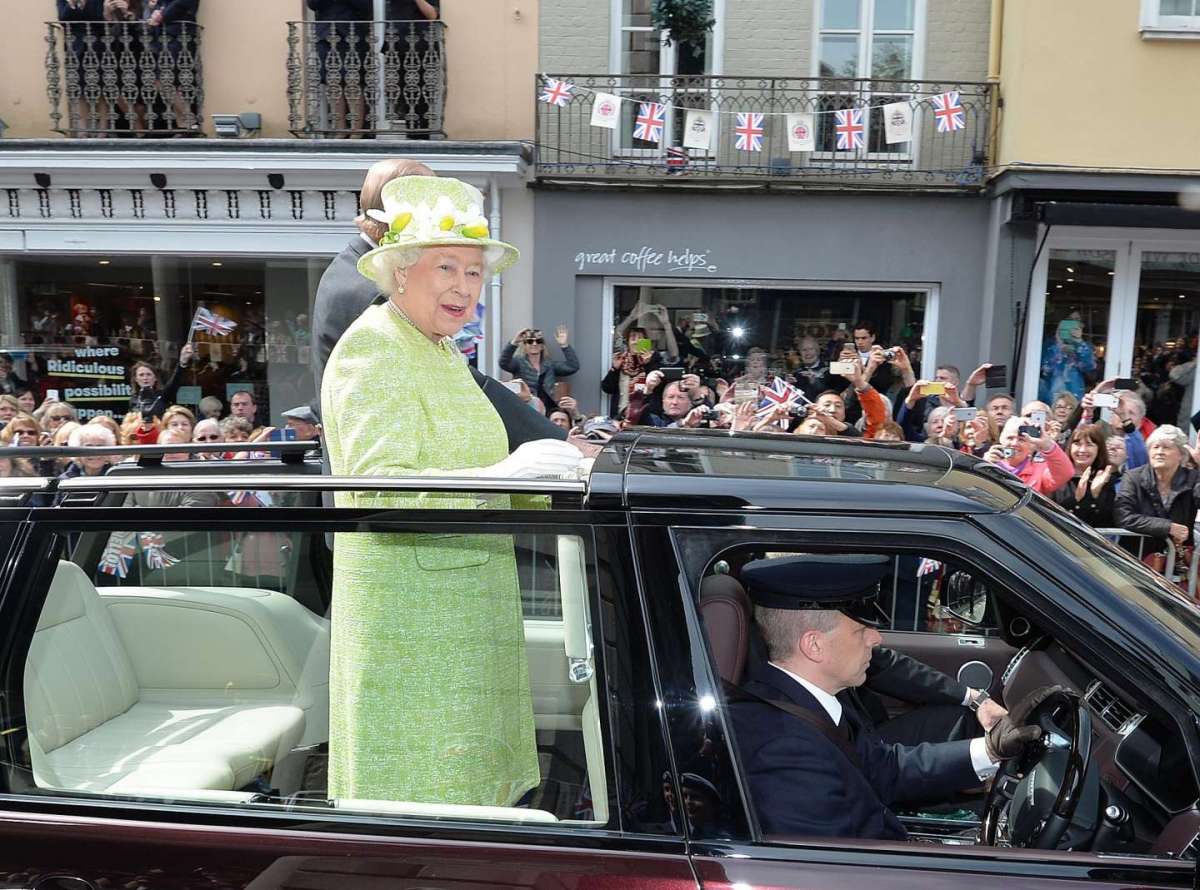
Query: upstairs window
x=1171, y=18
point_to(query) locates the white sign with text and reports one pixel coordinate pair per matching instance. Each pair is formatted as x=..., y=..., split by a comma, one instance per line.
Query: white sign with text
x=647, y=259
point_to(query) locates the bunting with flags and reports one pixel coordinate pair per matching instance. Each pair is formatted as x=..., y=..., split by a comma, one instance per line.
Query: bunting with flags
x=848, y=125
x=154, y=550
x=650, y=121
x=556, y=92
x=948, y=112
x=748, y=132
x=118, y=554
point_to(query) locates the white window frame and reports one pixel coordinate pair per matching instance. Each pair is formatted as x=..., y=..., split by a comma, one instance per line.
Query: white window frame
x=1155, y=26
x=666, y=68
x=866, y=33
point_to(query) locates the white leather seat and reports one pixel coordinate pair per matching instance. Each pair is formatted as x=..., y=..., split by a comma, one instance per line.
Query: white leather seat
x=93, y=728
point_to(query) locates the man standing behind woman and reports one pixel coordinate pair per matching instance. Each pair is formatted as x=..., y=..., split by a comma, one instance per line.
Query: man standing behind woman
x=427, y=653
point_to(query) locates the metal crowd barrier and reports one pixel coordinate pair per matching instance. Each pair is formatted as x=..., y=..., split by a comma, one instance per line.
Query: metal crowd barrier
x=1169, y=570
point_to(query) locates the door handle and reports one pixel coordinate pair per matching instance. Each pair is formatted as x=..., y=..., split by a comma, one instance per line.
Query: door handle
x=973, y=642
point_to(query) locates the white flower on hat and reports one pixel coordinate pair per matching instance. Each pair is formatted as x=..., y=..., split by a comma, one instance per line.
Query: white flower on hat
x=398, y=218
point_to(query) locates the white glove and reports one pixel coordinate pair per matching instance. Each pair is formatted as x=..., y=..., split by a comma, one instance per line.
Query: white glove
x=543, y=457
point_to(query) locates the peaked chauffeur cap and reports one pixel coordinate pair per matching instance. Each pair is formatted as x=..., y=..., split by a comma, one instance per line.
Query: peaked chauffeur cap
x=846, y=583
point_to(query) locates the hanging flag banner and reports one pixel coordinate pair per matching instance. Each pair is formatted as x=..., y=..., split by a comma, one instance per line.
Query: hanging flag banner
x=848, y=125
x=800, y=132
x=748, y=131
x=650, y=121
x=698, y=130
x=556, y=92
x=606, y=108
x=897, y=123
x=948, y=112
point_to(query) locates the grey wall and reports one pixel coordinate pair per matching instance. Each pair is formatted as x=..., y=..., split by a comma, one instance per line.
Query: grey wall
x=759, y=237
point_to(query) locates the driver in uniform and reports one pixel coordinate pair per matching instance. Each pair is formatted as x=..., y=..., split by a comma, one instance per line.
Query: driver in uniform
x=814, y=768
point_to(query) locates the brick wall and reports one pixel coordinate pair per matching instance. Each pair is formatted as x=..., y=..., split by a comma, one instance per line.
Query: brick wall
x=956, y=43
x=573, y=36
x=768, y=38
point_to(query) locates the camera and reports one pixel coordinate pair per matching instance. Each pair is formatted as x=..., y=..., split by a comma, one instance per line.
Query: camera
x=709, y=416
x=1028, y=429
x=890, y=354
x=799, y=412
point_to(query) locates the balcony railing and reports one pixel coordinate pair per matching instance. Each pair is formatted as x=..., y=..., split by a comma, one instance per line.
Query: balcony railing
x=365, y=78
x=124, y=78
x=569, y=147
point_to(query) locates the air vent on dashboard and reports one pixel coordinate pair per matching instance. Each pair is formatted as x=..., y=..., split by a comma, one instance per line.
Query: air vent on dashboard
x=1105, y=704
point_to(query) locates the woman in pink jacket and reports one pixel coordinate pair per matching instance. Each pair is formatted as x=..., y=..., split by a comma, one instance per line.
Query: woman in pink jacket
x=1037, y=461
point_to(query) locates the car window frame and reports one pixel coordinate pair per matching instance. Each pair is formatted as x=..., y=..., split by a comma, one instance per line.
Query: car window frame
x=950, y=536
x=601, y=531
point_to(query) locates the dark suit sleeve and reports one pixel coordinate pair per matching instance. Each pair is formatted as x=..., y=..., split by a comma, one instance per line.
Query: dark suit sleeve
x=897, y=675
x=521, y=423
x=931, y=770
x=787, y=775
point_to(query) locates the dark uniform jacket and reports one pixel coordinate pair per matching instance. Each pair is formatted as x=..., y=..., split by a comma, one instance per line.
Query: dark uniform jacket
x=344, y=294
x=802, y=784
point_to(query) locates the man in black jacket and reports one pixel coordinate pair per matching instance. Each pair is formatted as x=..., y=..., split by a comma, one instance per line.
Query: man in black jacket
x=343, y=294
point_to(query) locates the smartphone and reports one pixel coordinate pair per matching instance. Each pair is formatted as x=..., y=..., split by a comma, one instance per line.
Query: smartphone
x=997, y=377
x=1033, y=432
x=933, y=389
x=51, y=395
x=285, y=434
x=843, y=367
x=841, y=326
x=643, y=345
x=699, y=316
x=745, y=392
x=1038, y=418
x=964, y=414
x=513, y=386
x=670, y=375
x=1124, y=383
x=1104, y=400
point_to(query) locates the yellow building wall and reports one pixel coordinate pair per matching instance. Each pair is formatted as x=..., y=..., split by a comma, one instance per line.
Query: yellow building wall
x=1082, y=88
x=491, y=48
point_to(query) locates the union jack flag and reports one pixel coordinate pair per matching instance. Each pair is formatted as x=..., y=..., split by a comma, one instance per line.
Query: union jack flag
x=948, y=112
x=651, y=119
x=155, y=551
x=928, y=567
x=851, y=133
x=118, y=554
x=211, y=323
x=780, y=392
x=749, y=131
x=556, y=92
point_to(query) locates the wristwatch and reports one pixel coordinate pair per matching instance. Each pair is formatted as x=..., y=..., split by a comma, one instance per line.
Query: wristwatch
x=978, y=700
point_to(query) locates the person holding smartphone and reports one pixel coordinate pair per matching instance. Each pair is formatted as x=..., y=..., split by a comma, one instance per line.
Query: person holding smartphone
x=1021, y=441
x=629, y=368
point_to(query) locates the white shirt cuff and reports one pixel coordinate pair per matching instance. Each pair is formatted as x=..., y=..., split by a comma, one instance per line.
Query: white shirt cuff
x=980, y=762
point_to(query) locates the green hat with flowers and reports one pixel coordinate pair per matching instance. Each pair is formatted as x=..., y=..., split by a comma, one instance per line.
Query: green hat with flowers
x=430, y=211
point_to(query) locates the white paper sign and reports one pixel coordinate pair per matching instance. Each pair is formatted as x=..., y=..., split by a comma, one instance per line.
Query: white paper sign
x=606, y=108
x=800, y=132
x=897, y=123
x=698, y=130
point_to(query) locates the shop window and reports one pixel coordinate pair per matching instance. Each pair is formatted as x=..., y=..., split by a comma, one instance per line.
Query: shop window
x=1170, y=18
x=714, y=330
x=1075, y=330
x=85, y=321
x=208, y=680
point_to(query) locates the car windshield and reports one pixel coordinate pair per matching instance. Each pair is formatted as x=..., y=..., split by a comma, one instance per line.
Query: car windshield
x=1120, y=572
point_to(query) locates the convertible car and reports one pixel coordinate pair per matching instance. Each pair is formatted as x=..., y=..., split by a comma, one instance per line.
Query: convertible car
x=165, y=696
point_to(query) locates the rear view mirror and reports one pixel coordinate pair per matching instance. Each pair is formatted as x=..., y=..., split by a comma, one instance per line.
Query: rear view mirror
x=965, y=598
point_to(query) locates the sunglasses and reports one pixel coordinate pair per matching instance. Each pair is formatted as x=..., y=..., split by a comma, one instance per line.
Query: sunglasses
x=535, y=340
x=26, y=432
x=208, y=438
x=58, y=417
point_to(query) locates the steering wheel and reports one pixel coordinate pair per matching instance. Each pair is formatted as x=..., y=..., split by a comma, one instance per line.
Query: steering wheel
x=1033, y=798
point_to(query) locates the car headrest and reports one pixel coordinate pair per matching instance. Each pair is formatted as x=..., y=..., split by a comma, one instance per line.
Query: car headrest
x=66, y=599
x=727, y=614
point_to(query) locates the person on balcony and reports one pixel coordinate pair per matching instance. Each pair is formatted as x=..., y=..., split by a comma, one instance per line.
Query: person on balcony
x=172, y=37
x=342, y=41
x=78, y=19
x=418, y=47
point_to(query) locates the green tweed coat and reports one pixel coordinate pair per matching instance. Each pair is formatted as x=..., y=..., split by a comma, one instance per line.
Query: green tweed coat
x=428, y=678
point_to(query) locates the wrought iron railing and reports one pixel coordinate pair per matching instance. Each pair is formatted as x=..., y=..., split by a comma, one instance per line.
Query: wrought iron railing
x=569, y=146
x=124, y=78
x=359, y=78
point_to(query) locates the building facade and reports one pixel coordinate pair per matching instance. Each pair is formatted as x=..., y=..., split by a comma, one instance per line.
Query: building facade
x=1095, y=239
x=126, y=209
x=747, y=242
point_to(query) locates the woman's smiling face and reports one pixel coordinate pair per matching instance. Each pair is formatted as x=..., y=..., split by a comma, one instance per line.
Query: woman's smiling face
x=441, y=289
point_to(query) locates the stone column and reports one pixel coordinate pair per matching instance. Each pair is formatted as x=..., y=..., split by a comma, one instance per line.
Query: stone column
x=10, y=324
x=169, y=308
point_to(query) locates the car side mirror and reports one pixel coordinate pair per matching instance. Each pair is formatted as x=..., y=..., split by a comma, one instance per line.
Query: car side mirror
x=966, y=598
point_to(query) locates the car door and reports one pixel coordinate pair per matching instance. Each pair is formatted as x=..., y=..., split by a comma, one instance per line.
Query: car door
x=139, y=632
x=732, y=851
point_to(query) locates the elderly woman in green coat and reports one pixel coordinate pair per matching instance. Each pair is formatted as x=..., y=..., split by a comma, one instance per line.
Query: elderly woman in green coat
x=429, y=682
